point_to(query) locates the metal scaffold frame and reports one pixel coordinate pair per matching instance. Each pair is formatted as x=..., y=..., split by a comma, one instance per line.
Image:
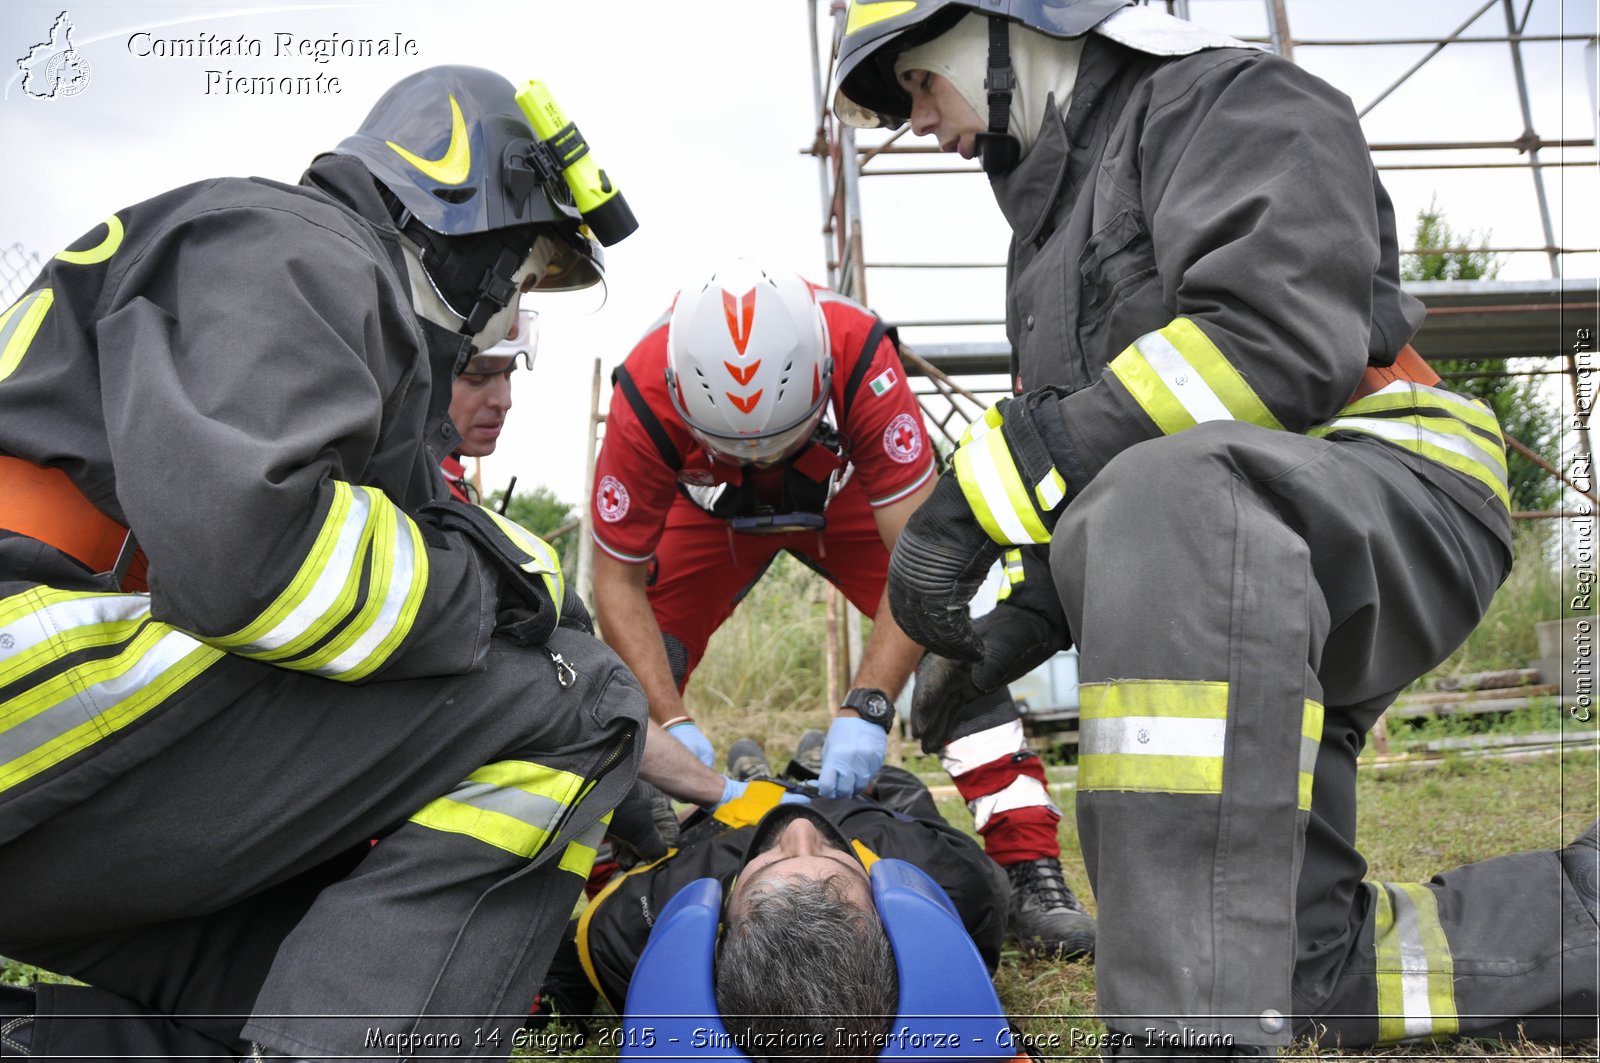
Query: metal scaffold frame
x=1523, y=320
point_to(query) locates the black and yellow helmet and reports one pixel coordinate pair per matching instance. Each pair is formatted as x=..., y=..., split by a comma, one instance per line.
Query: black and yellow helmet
x=865, y=92
x=473, y=187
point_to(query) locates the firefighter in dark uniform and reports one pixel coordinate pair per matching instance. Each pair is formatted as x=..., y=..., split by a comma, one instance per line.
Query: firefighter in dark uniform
x=1262, y=515
x=313, y=646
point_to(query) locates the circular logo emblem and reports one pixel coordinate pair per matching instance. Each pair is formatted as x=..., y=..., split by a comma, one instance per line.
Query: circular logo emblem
x=902, y=440
x=611, y=499
x=66, y=74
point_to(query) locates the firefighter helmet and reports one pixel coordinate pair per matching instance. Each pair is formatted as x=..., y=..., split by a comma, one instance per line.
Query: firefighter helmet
x=748, y=363
x=865, y=90
x=455, y=152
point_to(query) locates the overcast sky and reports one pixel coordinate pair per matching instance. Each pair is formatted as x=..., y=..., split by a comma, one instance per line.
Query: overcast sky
x=700, y=111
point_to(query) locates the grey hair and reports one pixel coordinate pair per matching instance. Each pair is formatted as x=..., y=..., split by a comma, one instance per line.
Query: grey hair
x=806, y=969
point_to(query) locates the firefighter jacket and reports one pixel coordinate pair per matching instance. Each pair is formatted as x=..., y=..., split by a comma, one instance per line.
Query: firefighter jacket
x=615, y=926
x=233, y=371
x=1204, y=237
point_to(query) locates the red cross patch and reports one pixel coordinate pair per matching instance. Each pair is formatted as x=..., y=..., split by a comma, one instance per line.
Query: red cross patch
x=902, y=440
x=611, y=499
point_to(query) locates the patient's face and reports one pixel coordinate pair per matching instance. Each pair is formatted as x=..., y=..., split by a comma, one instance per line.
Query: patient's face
x=800, y=850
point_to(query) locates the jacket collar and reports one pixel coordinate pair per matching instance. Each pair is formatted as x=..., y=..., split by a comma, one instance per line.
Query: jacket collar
x=1027, y=195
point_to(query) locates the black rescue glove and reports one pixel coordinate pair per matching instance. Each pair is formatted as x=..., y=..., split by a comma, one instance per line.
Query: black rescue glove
x=1003, y=489
x=641, y=823
x=1024, y=629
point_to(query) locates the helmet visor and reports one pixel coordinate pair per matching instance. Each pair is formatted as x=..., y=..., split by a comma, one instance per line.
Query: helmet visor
x=763, y=449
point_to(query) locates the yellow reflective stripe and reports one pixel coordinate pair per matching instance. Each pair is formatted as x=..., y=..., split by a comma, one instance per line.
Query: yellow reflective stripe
x=42, y=624
x=1435, y=439
x=341, y=535
x=99, y=252
x=993, y=487
x=1310, y=742
x=1180, y=379
x=1012, y=573
x=1404, y=395
x=18, y=326
x=865, y=855
x=409, y=607
x=363, y=535
x=455, y=165
x=1413, y=967
x=1198, y=700
x=1152, y=736
x=1150, y=773
x=111, y=692
x=864, y=13
x=513, y=805
x=378, y=543
x=582, y=852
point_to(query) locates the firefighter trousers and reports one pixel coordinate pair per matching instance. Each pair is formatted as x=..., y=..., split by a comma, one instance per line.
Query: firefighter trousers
x=1247, y=603
x=210, y=870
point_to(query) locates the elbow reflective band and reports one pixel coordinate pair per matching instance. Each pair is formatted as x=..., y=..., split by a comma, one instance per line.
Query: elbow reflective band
x=542, y=559
x=18, y=326
x=364, y=534
x=1167, y=736
x=514, y=805
x=1180, y=379
x=1439, y=425
x=1007, y=477
x=82, y=666
x=1011, y=573
x=1414, y=971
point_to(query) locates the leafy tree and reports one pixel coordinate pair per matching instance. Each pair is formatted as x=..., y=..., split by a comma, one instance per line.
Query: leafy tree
x=1449, y=255
x=541, y=512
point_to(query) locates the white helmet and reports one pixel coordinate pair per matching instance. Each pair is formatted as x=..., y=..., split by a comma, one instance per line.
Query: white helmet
x=748, y=366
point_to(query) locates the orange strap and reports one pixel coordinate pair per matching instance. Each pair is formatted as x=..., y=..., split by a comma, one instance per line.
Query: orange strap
x=45, y=504
x=1408, y=365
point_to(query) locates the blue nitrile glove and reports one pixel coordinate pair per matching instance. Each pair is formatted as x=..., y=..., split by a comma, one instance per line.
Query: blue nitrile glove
x=694, y=740
x=733, y=789
x=851, y=756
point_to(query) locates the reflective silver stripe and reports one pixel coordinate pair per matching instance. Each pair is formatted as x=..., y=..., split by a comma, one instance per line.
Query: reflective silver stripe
x=976, y=750
x=1413, y=966
x=536, y=810
x=1401, y=430
x=44, y=622
x=1171, y=736
x=1182, y=379
x=131, y=672
x=1022, y=792
x=330, y=584
x=1308, y=754
x=403, y=577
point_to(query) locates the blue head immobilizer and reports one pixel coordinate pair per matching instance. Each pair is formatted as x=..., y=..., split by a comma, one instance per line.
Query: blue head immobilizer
x=948, y=1008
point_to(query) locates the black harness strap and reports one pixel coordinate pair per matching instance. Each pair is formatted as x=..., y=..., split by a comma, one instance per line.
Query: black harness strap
x=858, y=375
x=647, y=417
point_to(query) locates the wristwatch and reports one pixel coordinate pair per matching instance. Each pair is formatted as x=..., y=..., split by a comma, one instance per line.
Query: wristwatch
x=872, y=704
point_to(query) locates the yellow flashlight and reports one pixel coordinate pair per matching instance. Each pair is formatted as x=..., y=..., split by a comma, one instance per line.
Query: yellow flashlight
x=598, y=200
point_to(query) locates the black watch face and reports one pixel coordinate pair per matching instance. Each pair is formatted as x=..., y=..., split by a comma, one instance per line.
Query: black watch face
x=874, y=706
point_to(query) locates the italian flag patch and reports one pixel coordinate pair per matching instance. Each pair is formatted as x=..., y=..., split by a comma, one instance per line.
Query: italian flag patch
x=883, y=381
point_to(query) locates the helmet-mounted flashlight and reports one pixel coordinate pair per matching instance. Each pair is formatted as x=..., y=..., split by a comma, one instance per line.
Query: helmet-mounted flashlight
x=599, y=201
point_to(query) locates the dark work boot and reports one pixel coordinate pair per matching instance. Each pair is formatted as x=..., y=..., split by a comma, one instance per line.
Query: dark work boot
x=1046, y=917
x=1581, y=861
x=16, y=1020
x=747, y=761
x=807, y=762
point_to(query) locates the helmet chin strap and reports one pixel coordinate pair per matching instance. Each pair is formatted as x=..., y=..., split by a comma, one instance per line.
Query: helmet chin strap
x=490, y=319
x=998, y=150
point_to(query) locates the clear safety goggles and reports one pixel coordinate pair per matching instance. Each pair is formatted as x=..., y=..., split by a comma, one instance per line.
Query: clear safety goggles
x=505, y=357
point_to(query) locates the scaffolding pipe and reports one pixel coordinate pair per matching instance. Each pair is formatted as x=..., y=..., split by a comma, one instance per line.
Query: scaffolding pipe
x=1527, y=131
